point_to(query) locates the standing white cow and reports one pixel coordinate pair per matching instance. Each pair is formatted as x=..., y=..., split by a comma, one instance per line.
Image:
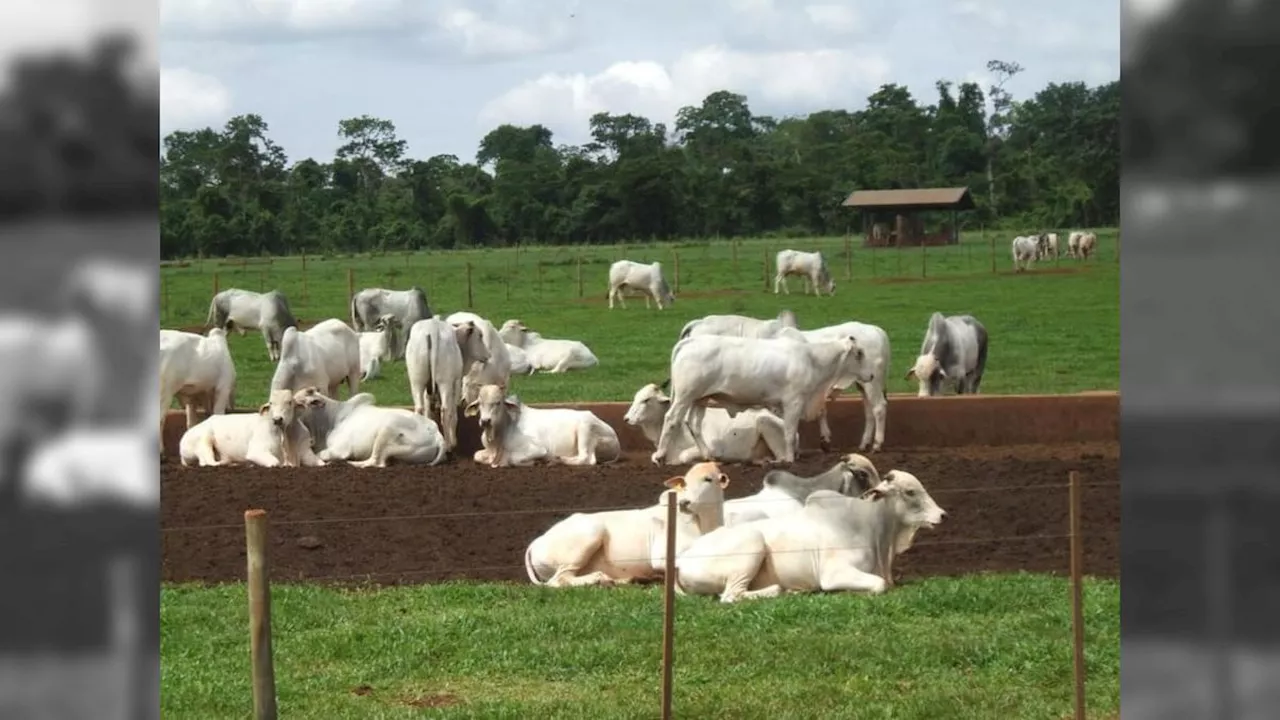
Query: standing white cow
x=874, y=342
x=810, y=266
x=323, y=356
x=245, y=309
x=782, y=492
x=834, y=543
x=515, y=434
x=369, y=305
x=1075, y=242
x=954, y=350
x=1025, y=250
x=435, y=358
x=1047, y=245
x=496, y=370
x=1088, y=242
x=199, y=371
x=547, y=354
x=378, y=346
x=272, y=437
x=620, y=546
x=755, y=436
x=788, y=376
x=365, y=435
x=627, y=278
x=739, y=326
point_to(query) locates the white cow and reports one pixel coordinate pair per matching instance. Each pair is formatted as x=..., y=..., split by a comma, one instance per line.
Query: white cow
x=89, y=465
x=245, y=309
x=435, y=358
x=547, y=354
x=954, y=350
x=1088, y=242
x=494, y=371
x=1073, y=243
x=834, y=543
x=519, y=361
x=755, y=436
x=1025, y=250
x=515, y=434
x=323, y=356
x=370, y=305
x=782, y=492
x=788, y=376
x=627, y=278
x=739, y=326
x=874, y=342
x=1047, y=245
x=54, y=379
x=272, y=437
x=621, y=546
x=809, y=265
x=365, y=435
x=378, y=346
x=198, y=370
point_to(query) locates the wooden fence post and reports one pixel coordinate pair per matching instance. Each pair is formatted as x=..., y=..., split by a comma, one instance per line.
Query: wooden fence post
x=470, y=300
x=734, y=242
x=507, y=278
x=164, y=281
x=993, y=249
x=580, y=274
x=676, y=255
x=264, y=681
x=848, y=257
x=539, y=277
x=215, y=283
x=351, y=285
x=923, y=251
x=1077, y=601
x=764, y=268
x=668, y=608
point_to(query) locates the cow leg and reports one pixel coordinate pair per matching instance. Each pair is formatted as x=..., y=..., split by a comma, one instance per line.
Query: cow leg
x=824, y=430
x=584, y=439
x=483, y=456
x=773, y=435
x=190, y=407
x=676, y=415
x=791, y=413
x=378, y=455
x=307, y=457
x=449, y=417
x=693, y=423
x=261, y=457
x=740, y=566
x=771, y=591
x=877, y=416
x=835, y=576
x=647, y=304
x=206, y=455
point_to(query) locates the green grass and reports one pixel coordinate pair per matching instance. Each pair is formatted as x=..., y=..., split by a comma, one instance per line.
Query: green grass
x=1050, y=332
x=979, y=647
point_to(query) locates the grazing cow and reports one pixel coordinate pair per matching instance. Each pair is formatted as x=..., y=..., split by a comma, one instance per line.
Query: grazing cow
x=783, y=492
x=874, y=342
x=272, y=437
x=378, y=346
x=1025, y=251
x=754, y=436
x=954, y=350
x=1088, y=242
x=494, y=371
x=248, y=310
x=809, y=265
x=627, y=278
x=788, y=376
x=1047, y=246
x=323, y=356
x=92, y=465
x=621, y=546
x=834, y=543
x=1073, y=244
x=739, y=326
x=548, y=355
x=198, y=370
x=515, y=434
x=365, y=435
x=370, y=305
x=435, y=358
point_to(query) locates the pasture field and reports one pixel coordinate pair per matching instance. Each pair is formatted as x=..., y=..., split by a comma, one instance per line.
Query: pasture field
x=1055, y=329
x=976, y=647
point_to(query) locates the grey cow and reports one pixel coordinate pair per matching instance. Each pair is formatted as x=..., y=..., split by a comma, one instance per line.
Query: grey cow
x=783, y=492
x=954, y=351
x=408, y=306
x=248, y=310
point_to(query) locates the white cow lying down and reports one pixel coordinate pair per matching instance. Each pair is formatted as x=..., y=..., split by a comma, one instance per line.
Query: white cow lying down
x=620, y=546
x=783, y=492
x=271, y=437
x=547, y=354
x=366, y=435
x=515, y=434
x=755, y=436
x=834, y=543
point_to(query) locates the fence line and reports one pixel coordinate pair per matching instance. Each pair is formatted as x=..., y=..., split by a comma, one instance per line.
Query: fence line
x=263, y=671
x=571, y=510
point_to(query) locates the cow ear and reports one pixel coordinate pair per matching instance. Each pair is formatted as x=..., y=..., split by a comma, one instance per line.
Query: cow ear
x=874, y=493
x=264, y=409
x=675, y=483
x=910, y=374
x=513, y=401
x=942, y=373
x=724, y=481
x=472, y=409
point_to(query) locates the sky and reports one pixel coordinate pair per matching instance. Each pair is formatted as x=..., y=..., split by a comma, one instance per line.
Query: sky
x=448, y=71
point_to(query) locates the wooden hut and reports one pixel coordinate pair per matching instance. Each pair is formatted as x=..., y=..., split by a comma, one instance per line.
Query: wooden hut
x=893, y=218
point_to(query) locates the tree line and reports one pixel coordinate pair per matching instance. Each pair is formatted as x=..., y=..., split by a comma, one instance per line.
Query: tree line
x=721, y=170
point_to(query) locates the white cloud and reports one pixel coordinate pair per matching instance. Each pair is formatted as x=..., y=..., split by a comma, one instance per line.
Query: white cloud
x=834, y=18
x=478, y=38
x=766, y=24
x=190, y=99
x=217, y=16
x=983, y=10
x=798, y=80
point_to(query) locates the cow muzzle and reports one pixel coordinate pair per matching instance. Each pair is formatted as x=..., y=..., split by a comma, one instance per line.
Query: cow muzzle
x=278, y=422
x=485, y=423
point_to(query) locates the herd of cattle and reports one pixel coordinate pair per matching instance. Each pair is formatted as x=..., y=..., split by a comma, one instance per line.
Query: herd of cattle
x=1027, y=249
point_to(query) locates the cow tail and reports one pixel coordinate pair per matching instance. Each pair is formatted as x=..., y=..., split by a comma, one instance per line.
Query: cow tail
x=528, y=565
x=354, y=320
x=213, y=308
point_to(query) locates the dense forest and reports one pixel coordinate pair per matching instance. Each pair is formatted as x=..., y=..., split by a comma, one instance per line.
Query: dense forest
x=1052, y=160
